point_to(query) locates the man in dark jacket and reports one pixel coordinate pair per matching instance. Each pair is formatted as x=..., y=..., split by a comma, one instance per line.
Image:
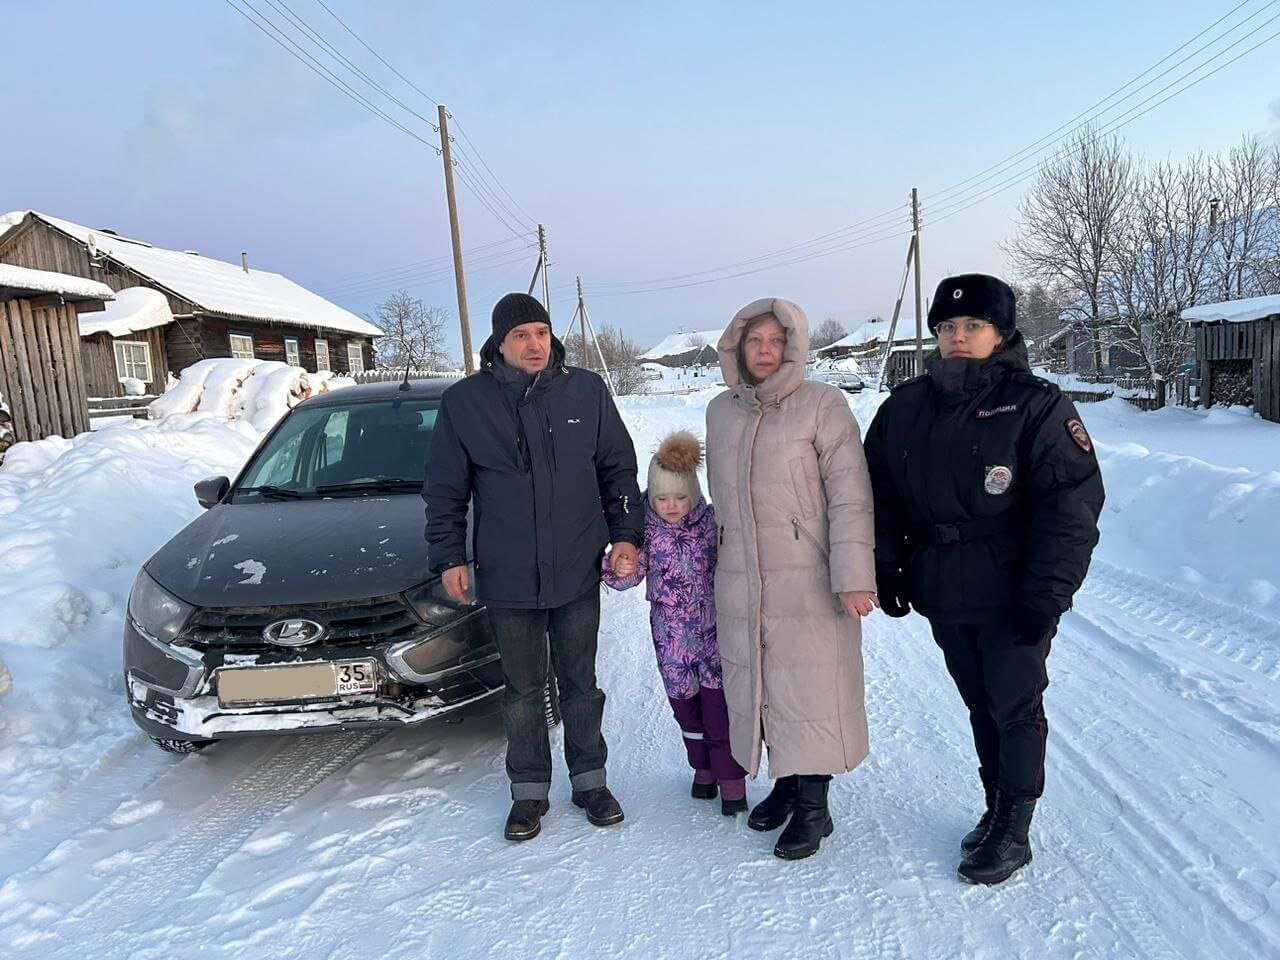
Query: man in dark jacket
x=539, y=450
x=987, y=497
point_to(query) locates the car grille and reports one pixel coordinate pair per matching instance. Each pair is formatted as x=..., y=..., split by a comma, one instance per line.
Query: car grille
x=348, y=623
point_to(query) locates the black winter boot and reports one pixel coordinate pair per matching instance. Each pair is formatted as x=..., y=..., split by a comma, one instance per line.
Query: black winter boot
x=810, y=821
x=602, y=809
x=772, y=812
x=1005, y=848
x=524, y=822
x=974, y=836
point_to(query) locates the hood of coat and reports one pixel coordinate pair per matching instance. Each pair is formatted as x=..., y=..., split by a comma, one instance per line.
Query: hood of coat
x=790, y=375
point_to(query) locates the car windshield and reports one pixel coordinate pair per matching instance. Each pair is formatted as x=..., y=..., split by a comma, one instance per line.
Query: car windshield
x=365, y=448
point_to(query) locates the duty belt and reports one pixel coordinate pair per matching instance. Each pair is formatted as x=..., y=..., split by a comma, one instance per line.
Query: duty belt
x=965, y=531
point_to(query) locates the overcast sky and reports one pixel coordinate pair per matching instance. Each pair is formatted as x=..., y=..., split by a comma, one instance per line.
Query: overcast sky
x=655, y=140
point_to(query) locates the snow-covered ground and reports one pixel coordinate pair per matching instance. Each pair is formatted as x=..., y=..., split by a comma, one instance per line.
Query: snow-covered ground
x=1157, y=837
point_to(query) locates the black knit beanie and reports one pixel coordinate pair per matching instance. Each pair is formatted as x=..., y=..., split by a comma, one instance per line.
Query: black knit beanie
x=513, y=310
x=975, y=295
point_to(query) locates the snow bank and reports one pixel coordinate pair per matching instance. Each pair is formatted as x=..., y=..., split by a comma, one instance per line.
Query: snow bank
x=1075, y=384
x=1235, y=311
x=77, y=520
x=260, y=391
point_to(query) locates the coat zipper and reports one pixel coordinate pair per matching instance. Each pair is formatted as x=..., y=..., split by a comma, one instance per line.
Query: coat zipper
x=798, y=529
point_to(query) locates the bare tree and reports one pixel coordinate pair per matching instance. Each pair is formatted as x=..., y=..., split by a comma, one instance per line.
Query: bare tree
x=1069, y=222
x=1040, y=308
x=1244, y=184
x=414, y=333
x=1164, y=264
x=620, y=353
x=829, y=331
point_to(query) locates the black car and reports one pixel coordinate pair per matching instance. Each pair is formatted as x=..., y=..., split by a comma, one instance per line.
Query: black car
x=300, y=601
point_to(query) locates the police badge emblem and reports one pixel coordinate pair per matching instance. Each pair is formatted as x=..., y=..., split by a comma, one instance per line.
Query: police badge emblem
x=1077, y=432
x=999, y=478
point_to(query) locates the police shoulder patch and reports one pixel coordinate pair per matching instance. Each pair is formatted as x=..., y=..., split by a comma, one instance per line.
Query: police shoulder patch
x=1077, y=432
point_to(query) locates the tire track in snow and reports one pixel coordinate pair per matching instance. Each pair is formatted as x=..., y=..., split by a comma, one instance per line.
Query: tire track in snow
x=1239, y=635
x=113, y=916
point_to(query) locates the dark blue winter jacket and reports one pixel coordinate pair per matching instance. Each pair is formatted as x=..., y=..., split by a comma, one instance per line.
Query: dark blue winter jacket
x=550, y=471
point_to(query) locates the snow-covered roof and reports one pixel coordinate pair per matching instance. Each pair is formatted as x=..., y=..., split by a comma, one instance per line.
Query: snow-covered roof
x=25, y=280
x=213, y=285
x=133, y=309
x=677, y=343
x=874, y=331
x=1235, y=311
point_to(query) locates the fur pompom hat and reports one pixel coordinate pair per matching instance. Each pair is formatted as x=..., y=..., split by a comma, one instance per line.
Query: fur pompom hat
x=673, y=471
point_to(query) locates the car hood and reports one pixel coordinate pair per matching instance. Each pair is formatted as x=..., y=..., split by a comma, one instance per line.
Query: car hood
x=296, y=551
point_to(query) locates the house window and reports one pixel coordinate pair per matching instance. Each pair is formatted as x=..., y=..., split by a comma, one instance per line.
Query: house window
x=291, y=354
x=355, y=358
x=241, y=346
x=133, y=360
x=322, y=355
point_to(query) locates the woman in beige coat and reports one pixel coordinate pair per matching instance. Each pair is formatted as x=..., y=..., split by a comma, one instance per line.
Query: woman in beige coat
x=796, y=568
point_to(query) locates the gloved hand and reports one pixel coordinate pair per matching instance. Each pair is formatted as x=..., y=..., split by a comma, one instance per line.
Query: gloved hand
x=891, y=588
x=1033, y=627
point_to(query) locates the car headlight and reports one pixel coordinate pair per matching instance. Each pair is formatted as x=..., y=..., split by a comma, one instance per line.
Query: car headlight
x=433, y=605
x=155, y=610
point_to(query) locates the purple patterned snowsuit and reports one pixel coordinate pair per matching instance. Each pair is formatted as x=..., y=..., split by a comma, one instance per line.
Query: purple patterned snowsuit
x=679, y=562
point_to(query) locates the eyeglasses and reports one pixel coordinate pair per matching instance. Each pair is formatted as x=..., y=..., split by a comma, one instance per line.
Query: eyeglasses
x=972, y=328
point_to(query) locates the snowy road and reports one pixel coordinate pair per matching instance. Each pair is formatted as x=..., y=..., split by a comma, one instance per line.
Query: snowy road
x=1156, y=838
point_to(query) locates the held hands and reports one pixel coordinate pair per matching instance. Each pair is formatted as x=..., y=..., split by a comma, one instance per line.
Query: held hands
x=457, y=584
x=622, y=559
x=858, y=603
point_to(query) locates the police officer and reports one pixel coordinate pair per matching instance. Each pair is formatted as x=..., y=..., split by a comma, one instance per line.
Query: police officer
x=987, y=496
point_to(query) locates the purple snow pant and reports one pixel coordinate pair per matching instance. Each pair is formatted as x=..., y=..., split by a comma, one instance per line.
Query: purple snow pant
x=704, y=721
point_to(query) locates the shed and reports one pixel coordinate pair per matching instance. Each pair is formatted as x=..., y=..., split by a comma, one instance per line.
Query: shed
x=1237, y=353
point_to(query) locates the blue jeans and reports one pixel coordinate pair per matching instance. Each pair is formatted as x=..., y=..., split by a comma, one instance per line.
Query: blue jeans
x=524, y=638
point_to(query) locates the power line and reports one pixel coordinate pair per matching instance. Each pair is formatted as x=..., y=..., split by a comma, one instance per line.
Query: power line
x=377, y=292
x=318, y=68
x=1116, y=122
x=390, y=273
x=958, y=206
x=433, y=274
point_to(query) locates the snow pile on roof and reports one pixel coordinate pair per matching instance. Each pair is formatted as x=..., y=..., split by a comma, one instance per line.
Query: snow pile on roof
x=215, y=285
x=258, y=391
x=678, y=343
x=877, y=331
x=45, y=281
x=1235, y=311
x=133, y=309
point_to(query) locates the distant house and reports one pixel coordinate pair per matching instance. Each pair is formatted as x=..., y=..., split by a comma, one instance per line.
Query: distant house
x=684, y=349
x=41, y=377
x=215, y=309
x=869, y=340
x=1237, y=353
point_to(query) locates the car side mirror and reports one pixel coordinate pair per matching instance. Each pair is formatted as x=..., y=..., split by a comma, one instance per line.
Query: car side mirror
x=211, y=490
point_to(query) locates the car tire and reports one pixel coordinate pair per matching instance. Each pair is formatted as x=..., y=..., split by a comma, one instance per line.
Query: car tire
x=551, y=701
x=180, y=746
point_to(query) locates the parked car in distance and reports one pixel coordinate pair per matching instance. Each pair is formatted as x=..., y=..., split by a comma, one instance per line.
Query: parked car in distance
x=845, y=380
x=300, y=600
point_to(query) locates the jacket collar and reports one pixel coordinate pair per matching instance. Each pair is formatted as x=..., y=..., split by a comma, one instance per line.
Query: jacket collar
x=959, y=379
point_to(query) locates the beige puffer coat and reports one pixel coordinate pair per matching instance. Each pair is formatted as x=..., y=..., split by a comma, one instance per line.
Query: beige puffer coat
x=793, y=498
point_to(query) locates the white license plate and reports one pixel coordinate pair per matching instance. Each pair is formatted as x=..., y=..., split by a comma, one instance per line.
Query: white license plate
x=295, y=681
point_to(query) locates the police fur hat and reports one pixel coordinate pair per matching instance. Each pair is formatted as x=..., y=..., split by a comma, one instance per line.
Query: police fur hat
x=673, y=471
x=975, y=295
x=513, y=310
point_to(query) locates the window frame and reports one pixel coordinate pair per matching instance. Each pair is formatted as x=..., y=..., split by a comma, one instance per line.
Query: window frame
x=358, y=347
x=232, y=335
x=122, y=364
x=322, y=343
x=296, y=360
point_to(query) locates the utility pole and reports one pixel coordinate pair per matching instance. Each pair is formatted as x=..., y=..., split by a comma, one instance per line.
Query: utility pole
x=915, y=228
x=582, y=316
x=542, y=258
x=464, y=319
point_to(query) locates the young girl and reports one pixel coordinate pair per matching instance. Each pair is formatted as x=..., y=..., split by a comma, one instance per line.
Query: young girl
x=679, y=561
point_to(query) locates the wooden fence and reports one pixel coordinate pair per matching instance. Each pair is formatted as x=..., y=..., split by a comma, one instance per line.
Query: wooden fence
x=40, y=373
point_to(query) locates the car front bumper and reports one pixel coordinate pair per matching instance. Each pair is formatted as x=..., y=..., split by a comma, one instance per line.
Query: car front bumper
x=172, y=690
